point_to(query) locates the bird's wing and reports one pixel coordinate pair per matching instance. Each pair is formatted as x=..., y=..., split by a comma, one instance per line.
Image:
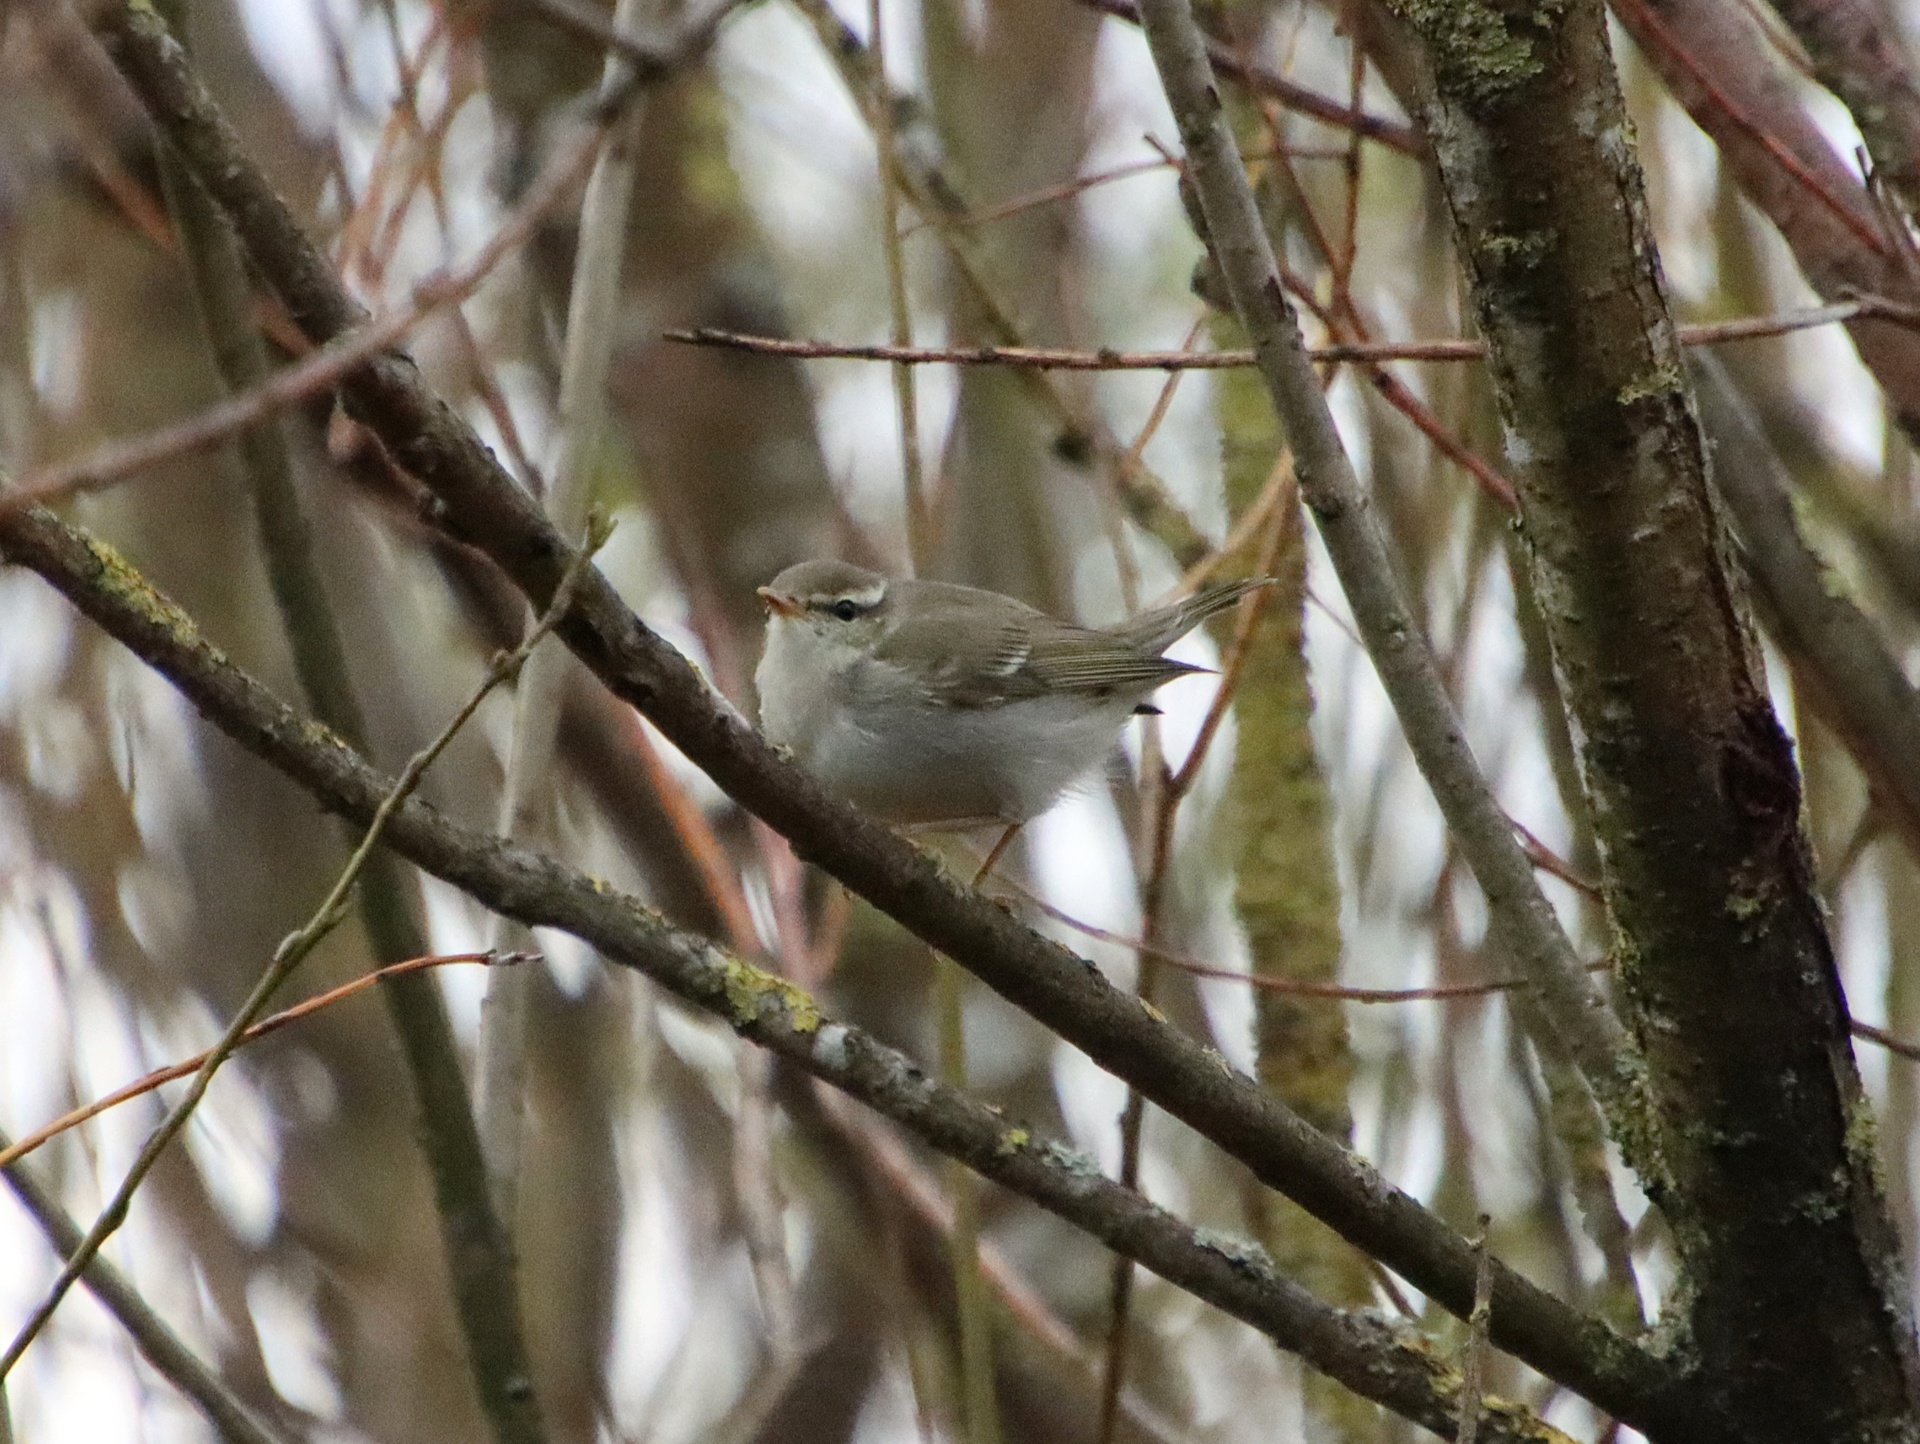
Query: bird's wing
x=1160, y=628
x=974, y=654
x=1027, y=655
x=1067, y=658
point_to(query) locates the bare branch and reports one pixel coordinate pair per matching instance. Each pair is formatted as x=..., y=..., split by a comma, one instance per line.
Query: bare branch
x=1378, y=1360
x=1045, y=980
x=1525, y=922
x=157, y=1343
x=1860, y=53
x=173, y=1072
x=1059, y=358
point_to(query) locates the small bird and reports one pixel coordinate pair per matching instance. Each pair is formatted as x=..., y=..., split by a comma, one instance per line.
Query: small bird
x=932, y=704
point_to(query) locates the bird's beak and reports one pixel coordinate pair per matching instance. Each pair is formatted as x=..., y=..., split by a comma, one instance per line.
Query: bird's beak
x=780, y=606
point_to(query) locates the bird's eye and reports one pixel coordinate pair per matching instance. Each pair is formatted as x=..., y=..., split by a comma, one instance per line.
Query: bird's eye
x=846, y=609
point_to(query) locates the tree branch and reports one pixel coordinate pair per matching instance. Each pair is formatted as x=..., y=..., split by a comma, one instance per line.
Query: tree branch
x=1061, y=990
x=1519, y=913
x=1375, y=1358
x=1858, y=686
x=1060, y=358
x=1861, y=54
x=157, y=1343
x=1795, y=1291
x=1785, y=165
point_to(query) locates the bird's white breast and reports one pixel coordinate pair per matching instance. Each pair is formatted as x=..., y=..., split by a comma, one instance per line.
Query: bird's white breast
x=867, y=733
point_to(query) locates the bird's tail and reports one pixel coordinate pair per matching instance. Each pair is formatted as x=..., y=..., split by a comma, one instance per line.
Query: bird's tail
x=1160, y=628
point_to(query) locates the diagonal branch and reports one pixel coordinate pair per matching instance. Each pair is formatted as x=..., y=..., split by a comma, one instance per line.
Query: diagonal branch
x=1856, y=682
x=1861, y=54
x=1381, y=1361
x=1782, y=161
x=1059, y=989
x=157, y=1343
x=12, y=1153
x=1797, y=1297
x=1585, y=1025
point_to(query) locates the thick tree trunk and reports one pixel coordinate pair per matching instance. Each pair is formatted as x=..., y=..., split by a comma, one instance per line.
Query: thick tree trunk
x=1793, y=1287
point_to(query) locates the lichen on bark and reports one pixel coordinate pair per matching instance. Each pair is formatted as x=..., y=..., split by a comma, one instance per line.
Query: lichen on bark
x=1286, y=887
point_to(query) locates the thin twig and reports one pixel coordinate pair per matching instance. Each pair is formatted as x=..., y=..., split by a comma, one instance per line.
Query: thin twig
x=158, y=1344
x=1304, y=987
x=920, y=538
x=1167, y=793
x=1347, y=994
x=1246, y=623
x=288, y=956
x=526, y=793
x=1473, y=1367
x=427, y=169
x=1397, y=395
x=1281, y=485
x=1128, y=465
x=1889, y=1041
x=762, y=1211
x=19, y=1149
x=1063, y=358
x=1393, y=134
x=319, y=371
x=979, y=1410
x=1081, y=184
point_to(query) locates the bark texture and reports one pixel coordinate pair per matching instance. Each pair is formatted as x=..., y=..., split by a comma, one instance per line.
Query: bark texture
x=1717, y=63
x=1794, y=1303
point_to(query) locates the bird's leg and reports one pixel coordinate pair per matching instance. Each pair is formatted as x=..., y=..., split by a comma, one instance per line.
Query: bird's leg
x=1006, y=841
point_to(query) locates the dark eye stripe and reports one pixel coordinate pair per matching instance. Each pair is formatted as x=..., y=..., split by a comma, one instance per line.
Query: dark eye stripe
x=846, y=606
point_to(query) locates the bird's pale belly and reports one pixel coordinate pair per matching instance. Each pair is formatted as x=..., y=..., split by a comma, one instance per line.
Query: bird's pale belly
x=1006, y=763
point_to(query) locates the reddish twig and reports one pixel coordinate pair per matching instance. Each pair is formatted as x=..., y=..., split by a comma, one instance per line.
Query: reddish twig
x=1060, y=358
x=1079, y=185
x=697, y=836
x=370, y=233
x=273, y=1024
x=1396, y=395
x=1893, y=1044
x=1297, y=986
x=1284, y=519
x=318, y=371
x=1281, y=487
x=1168, y=790
x=1550, y=862
x=1645, y=15
x=1392, y=134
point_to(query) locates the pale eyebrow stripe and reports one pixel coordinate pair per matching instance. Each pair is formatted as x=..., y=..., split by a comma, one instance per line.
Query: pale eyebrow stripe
x=865, y=599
